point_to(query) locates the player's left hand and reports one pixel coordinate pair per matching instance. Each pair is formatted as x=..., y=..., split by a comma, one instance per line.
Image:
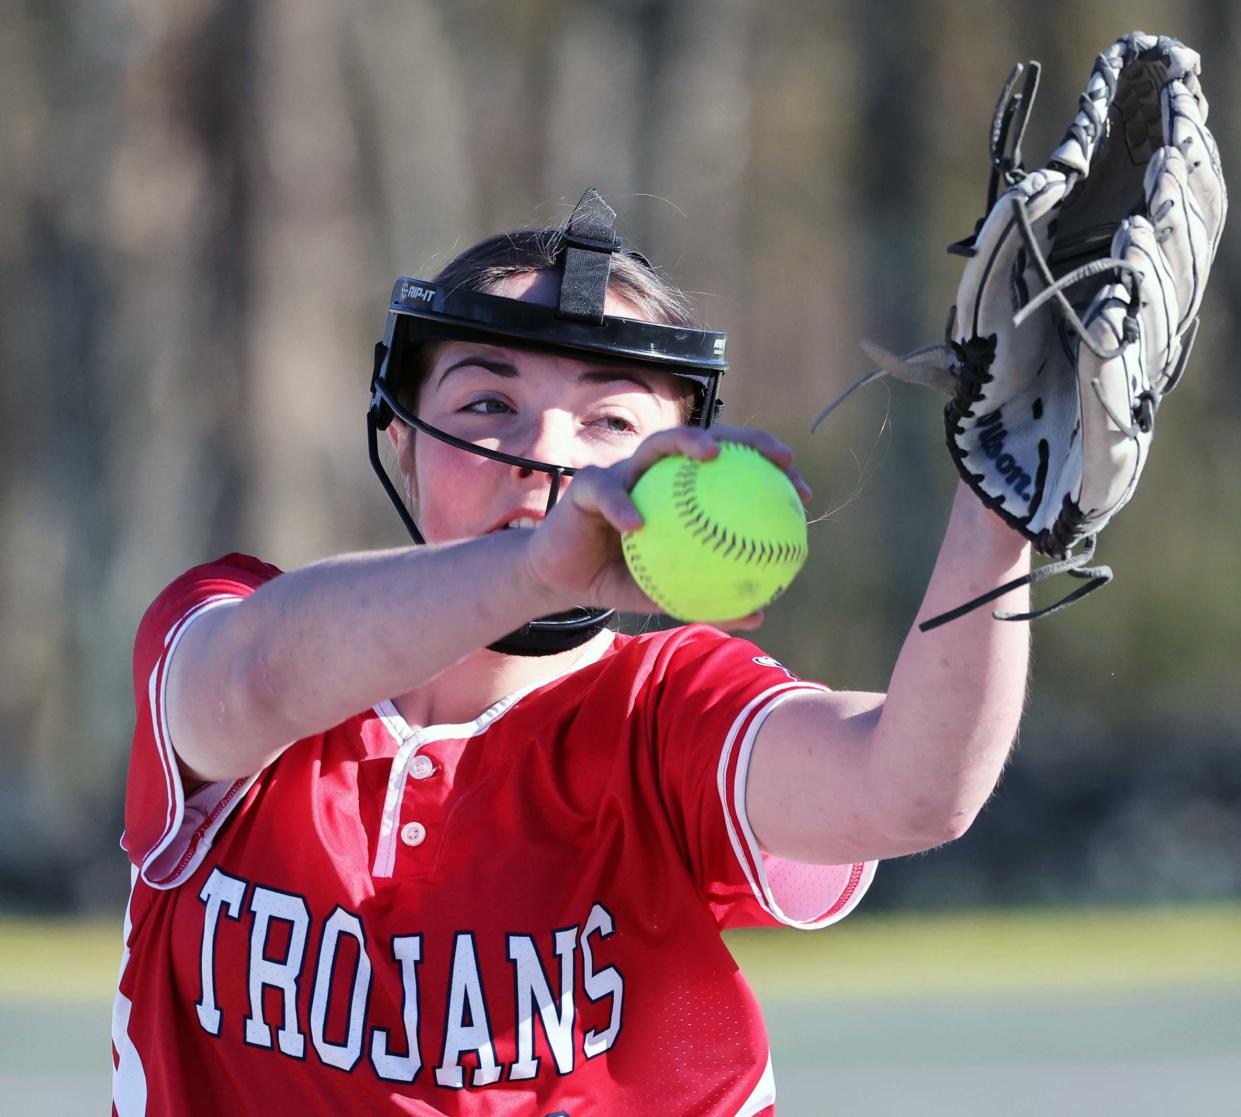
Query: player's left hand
x=575, y=553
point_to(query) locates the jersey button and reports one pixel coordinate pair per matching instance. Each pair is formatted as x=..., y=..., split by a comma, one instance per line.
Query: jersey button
x=413, y=833
x=421, y=768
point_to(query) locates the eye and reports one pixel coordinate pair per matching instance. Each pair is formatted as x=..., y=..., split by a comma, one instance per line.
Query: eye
x=488, y=405
x=616, y=424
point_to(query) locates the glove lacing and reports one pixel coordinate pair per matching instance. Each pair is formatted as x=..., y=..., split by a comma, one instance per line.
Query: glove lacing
x=1074, y=566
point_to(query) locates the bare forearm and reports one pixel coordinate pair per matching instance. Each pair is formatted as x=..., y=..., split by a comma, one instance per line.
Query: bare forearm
x=956, y=694
x=338, y=635
x=320, y=643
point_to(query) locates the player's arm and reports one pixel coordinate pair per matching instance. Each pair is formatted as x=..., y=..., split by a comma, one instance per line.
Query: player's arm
x=315, y=645
x=847, y=776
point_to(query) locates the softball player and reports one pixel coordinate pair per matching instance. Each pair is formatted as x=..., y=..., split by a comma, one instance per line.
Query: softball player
x=400, y=849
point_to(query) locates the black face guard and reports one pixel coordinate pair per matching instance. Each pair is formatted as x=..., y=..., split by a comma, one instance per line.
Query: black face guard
x=421, y=311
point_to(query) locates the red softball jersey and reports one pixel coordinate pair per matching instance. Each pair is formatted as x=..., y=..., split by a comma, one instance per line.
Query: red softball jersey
x=519, y=915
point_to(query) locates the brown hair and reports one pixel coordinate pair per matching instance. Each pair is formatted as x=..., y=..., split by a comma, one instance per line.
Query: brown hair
x=490, y=262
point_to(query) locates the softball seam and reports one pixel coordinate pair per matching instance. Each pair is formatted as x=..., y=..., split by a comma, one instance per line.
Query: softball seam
x=752, y=551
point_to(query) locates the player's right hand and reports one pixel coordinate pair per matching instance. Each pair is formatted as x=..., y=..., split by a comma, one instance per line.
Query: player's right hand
x=575, y=555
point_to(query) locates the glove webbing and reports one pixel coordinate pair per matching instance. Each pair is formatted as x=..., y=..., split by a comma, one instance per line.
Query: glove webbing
x=1054, y=289
x=1008, y=123
x=1074, y=565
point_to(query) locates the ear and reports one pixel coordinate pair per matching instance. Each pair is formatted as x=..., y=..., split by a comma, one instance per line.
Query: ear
x=402, y=439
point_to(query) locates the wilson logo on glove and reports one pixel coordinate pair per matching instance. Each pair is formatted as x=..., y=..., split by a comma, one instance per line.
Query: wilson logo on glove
x=992, y=443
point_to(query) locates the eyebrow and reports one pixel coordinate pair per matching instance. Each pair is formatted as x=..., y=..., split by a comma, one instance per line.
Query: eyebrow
x=491, y=364
x=590, y=376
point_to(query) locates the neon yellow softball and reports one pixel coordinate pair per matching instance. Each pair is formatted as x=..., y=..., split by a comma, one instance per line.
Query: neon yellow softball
x=720, y=538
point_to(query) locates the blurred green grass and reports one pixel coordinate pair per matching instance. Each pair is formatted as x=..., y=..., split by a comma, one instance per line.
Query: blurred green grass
x=59, y=960
x=983, y=953
x=986, y=953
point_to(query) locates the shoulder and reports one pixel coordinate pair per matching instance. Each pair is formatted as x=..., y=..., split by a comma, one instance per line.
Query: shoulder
x=693, y=654
x=669, y=642
x=227, y=578
x=231, y=575
x=234, y=572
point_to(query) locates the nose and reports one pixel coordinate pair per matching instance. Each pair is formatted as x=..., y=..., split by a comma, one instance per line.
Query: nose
x=549, y=441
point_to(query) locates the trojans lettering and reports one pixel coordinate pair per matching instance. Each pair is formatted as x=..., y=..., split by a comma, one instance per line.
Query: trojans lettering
x=543, y=994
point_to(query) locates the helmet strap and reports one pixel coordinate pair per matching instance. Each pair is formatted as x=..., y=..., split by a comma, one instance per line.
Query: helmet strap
x=589, y=243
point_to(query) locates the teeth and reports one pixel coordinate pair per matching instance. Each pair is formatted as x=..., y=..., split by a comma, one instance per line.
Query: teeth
x=522, y=521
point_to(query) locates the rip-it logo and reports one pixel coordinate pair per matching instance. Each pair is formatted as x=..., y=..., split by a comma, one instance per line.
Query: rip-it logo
x=412, y=293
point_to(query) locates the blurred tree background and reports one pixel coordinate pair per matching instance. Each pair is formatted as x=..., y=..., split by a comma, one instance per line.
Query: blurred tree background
x=204, y=203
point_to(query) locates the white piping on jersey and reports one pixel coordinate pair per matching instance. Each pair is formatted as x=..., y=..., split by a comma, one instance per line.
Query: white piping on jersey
x=745, y=845
x=213, y=802
x=129, y=1084
x=157, y=696
x=763, y=1095
x=411, y=740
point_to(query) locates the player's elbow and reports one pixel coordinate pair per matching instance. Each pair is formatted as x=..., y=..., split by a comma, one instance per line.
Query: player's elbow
x=947, y=825
x=939, y=802
x=926, y=822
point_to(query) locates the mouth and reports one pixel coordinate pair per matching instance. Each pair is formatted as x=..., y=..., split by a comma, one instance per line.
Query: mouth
x=518, y=522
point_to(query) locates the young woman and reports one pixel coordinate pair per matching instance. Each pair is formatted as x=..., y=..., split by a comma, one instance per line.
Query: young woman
x=400, y=849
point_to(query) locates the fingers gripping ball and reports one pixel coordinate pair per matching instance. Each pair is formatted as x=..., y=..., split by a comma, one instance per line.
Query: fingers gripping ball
x=720, y=538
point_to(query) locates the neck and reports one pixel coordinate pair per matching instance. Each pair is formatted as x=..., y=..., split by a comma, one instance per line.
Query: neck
x=459, y=693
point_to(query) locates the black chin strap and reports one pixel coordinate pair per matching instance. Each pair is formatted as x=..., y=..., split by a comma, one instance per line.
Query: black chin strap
x=558, y=632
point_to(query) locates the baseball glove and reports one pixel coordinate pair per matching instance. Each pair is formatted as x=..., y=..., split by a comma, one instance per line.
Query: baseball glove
x=1079, y=303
